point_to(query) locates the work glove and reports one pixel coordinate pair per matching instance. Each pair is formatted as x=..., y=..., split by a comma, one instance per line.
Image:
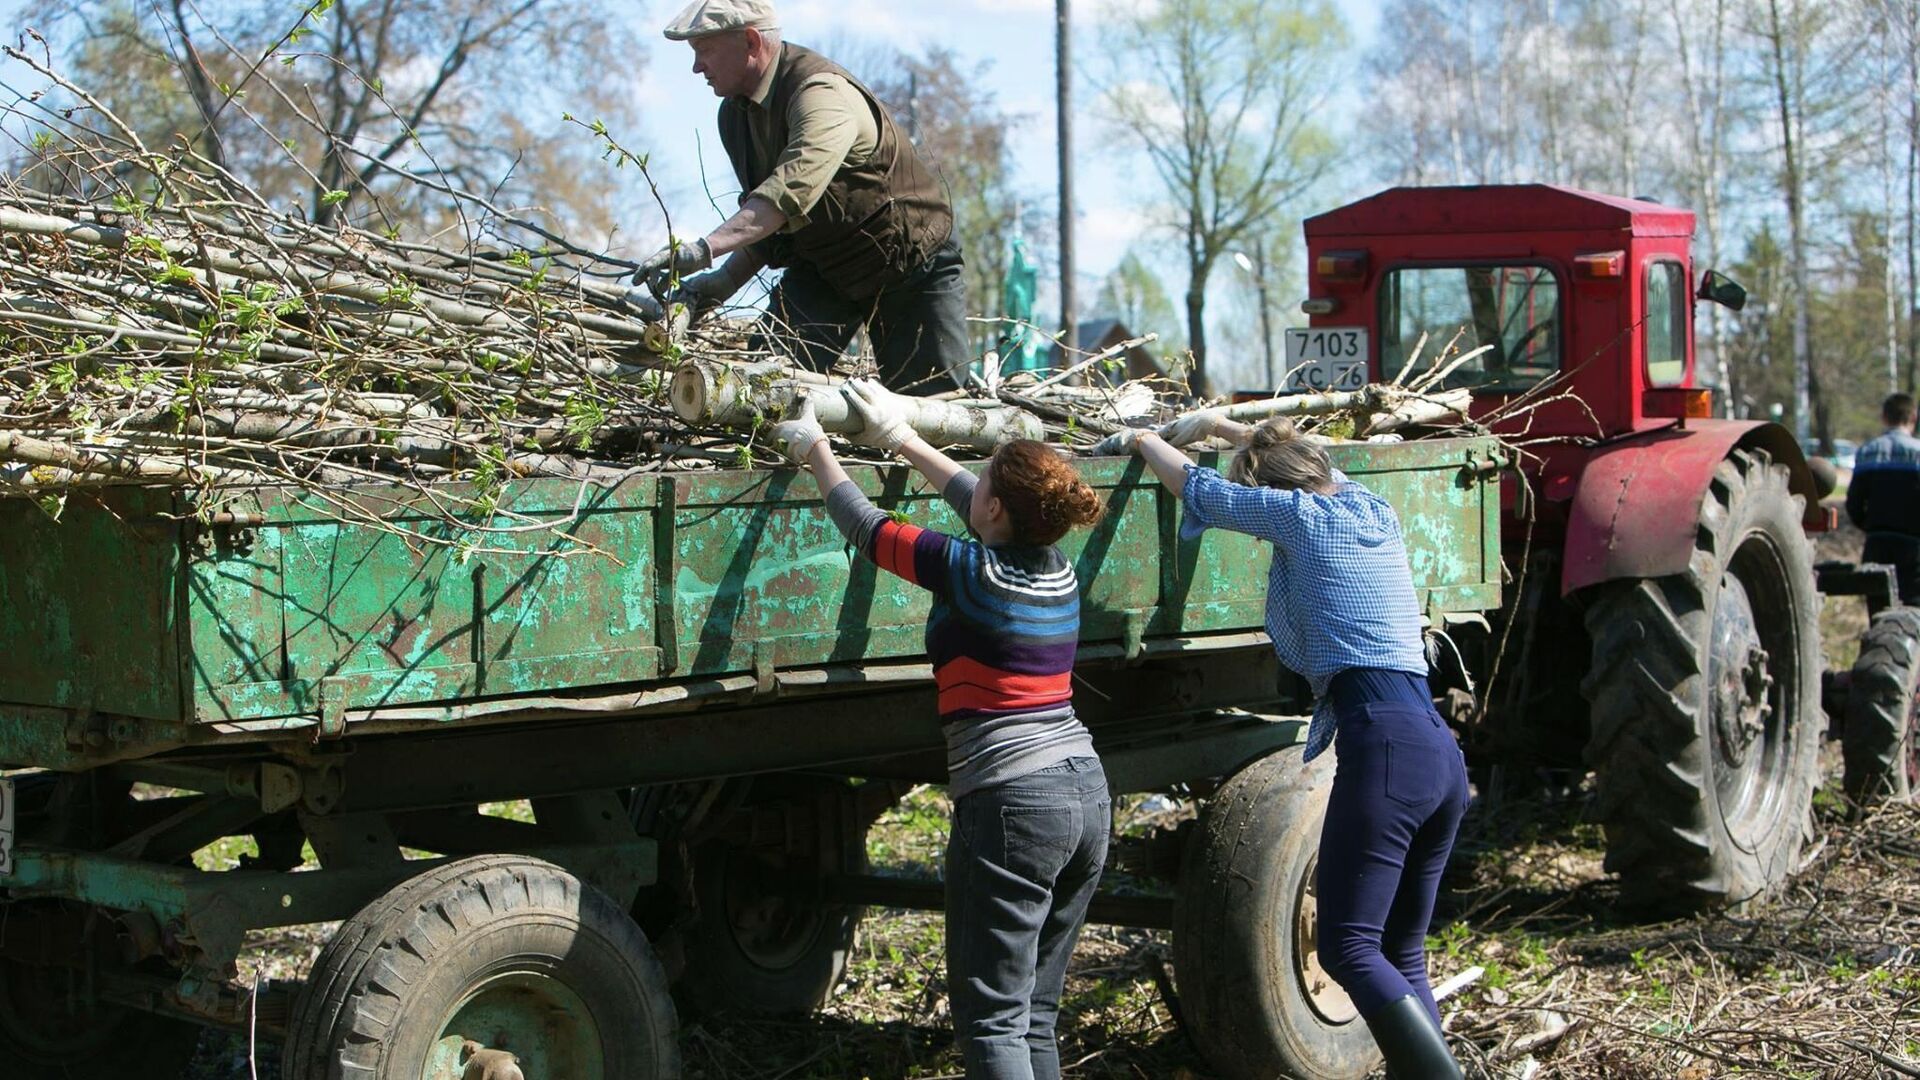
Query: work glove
x=704, y=292
x=799, y=432
x=1195, y=426
x=1120, y=443
x=882, y=416
x=677, y=259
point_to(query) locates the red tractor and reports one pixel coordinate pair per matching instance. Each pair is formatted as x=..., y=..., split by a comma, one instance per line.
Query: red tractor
x=1664, y=602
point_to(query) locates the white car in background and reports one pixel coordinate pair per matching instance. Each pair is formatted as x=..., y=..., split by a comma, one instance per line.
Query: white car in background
x=1843, y=452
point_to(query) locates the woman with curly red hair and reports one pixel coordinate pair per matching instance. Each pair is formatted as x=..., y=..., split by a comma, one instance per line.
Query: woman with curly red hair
x=1031, y=809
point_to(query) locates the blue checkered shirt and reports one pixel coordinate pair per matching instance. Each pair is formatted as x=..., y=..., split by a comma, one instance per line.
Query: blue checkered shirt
x=1339, y=594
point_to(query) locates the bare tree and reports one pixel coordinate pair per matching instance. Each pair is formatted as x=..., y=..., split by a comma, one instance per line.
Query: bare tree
x=1228, y=99
x=1790, y=33
x=1700, y=50
x=958, y=125
x=324, y=104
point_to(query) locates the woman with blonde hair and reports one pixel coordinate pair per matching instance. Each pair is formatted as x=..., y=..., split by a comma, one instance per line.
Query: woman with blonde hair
x=1341, y=612
x=1031, y=810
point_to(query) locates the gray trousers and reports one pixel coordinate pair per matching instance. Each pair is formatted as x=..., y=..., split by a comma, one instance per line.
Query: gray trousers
x=918, y=327
x=1022, y=863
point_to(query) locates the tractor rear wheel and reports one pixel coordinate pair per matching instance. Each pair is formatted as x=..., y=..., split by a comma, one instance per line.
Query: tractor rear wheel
x=1705, y=694
x=1881, y=745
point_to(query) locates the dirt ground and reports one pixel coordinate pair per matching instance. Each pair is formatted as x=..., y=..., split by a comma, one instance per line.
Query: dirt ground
x=1820, y=981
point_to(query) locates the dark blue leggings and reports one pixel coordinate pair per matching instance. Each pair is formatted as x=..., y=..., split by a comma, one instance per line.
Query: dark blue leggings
x=1399, y=789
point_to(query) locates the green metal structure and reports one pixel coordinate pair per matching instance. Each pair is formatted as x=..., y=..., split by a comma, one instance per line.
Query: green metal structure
x=705, y=699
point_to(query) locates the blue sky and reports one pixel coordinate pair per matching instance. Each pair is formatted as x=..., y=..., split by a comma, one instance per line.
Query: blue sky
x=1114, y=181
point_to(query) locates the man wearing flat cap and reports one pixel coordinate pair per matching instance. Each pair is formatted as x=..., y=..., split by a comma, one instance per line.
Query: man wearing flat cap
x=834, y=194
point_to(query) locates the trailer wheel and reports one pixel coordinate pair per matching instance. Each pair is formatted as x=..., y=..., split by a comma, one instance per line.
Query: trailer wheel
x=1706, y=718
x=51, y=1028
x=1252, y=992
x=763, y=940
x=1881, y=743
x=490, y=953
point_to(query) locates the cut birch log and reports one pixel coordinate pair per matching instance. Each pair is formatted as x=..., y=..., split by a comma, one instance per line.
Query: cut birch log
x=1386, y=407
x=725, y=394
x=22, y=449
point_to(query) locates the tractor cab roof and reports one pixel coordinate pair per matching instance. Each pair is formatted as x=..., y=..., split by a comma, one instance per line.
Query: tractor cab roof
x=1498, y=208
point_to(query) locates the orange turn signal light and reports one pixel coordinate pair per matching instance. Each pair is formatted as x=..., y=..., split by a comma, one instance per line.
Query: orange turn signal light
x=1600, y=264
x=1677, y=403
x=1341, y=266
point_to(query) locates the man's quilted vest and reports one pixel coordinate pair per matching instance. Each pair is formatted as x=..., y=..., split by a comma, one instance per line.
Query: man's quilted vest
x=876, y=223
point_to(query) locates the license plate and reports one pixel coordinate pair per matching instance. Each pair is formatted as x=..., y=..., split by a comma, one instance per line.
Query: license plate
x=1322, y=359
x=6, y=827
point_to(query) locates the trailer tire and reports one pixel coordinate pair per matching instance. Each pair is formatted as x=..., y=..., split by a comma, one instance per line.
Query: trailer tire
x=42, y=1039
x=39, y=1038
x=763, y=941
x=1705, y=693
x=1880, y=743
x=1252, y=993
x=511, y=952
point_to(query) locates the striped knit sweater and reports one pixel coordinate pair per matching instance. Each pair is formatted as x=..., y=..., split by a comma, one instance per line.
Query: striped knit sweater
x=1001, y=636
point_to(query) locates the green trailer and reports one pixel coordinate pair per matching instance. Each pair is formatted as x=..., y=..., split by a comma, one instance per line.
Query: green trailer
x=705, y=702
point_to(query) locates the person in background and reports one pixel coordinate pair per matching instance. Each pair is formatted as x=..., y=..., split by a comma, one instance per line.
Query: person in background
x=1341, y=611
x=834, y=193
x=1031, y=811
x=1883, y=498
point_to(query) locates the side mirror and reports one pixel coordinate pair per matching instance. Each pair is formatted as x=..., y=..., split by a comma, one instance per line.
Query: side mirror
x=1722, y=290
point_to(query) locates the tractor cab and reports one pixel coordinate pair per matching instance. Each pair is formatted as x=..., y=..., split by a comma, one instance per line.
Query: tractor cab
x=1565, y=294
x=1569, y=315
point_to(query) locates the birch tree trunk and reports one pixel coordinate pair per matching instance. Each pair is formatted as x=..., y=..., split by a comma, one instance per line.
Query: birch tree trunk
x=1789, y=86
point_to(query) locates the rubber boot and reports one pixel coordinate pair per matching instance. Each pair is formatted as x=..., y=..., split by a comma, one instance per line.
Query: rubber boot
x=1414, y=1047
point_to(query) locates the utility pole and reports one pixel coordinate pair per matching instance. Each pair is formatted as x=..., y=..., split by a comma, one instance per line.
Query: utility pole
x=1266, y=310
x=1063, y=64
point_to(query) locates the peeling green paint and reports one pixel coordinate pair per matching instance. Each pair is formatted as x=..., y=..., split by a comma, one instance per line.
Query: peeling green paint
x=127, y=613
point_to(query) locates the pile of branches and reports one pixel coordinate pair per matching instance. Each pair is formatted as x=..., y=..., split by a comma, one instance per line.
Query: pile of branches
x=173, y=327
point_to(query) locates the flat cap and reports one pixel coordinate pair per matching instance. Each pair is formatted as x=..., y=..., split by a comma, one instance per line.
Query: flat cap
x=703, y=17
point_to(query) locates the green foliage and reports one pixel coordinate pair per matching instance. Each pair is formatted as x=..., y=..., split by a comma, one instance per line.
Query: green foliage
x=1451, y=941
x=1842, y=968
x=401, y=293
x=62, y=376
x=1340, y=427
x=584, y=416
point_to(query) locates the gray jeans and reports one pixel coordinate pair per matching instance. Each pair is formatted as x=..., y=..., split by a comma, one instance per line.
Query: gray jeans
x=1022, y=863
x=918, y=327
